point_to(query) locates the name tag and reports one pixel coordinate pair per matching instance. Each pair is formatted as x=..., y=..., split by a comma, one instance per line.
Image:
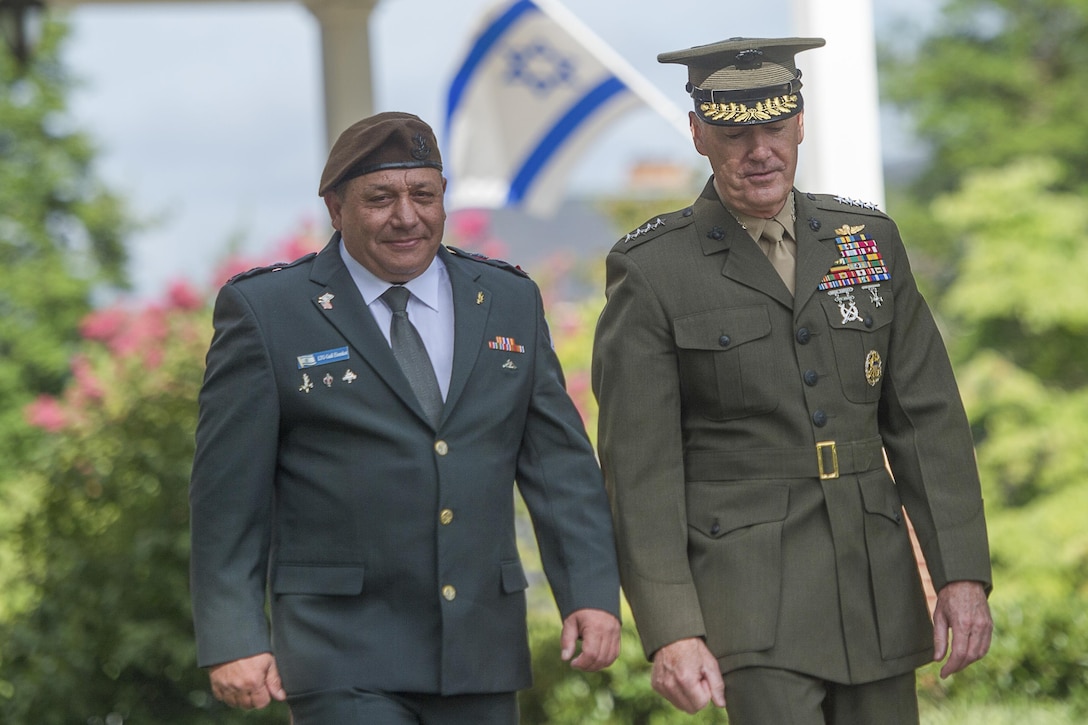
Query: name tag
x=322, y=358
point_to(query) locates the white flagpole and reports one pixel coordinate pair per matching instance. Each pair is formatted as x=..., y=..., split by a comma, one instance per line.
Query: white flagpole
x=841, y=153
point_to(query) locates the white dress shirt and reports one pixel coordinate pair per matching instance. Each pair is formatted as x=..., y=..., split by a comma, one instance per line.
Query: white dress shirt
x=430, y=308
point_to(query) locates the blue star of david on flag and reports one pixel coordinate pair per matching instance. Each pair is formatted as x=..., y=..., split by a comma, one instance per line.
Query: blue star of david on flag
x=539, y=66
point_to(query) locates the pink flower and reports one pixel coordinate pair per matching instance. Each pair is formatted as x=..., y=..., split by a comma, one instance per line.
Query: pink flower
x=87, y=383
x=153, y=357
x=46, y=413
x=469, y=224
x=296, y=246
x=578, y=389
x=491, y=247
x=183, y=296
x=230, y=268
x=103, y=325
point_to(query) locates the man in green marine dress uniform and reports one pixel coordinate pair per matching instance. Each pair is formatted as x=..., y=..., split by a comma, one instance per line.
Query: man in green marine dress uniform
x=758, y=355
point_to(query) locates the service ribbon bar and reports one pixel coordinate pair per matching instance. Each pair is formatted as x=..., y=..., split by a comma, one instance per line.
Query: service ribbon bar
x=505, y=343
x=860, y=263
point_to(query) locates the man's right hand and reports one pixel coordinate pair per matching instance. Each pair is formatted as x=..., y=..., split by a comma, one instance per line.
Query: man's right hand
x=687, y=675
x=249, y=683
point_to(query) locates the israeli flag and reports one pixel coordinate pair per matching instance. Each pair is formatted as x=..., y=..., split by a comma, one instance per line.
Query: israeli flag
x=534, y=88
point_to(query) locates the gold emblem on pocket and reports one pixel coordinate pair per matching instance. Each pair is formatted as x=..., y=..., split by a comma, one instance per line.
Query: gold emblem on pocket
x=874, y=368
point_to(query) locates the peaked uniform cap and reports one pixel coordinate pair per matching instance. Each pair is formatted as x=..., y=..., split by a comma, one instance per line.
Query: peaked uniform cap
x=744, y=81
x=390, y=140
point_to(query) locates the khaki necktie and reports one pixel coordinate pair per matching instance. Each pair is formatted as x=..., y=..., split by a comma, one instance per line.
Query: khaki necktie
x=779, y=251
x=410, y=352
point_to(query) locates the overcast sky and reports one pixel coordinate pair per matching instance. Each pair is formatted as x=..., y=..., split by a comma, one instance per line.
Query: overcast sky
x=209, y=117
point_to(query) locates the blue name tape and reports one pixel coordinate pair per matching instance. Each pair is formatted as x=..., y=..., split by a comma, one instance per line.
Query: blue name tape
x=322, y=358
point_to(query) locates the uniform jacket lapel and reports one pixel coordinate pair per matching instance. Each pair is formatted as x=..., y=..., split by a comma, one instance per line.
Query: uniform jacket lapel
x=816, y=249
x=746, y=264
x=471, y=309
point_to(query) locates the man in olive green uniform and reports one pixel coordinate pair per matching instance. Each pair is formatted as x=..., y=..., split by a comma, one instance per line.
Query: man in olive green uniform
x=759, y=353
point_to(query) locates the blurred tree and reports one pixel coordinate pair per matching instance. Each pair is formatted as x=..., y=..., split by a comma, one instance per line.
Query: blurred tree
x=995, y=81
x=997, y=227
x=60, y=233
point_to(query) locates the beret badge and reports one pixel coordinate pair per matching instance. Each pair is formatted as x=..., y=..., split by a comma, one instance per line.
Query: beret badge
x=422, y=149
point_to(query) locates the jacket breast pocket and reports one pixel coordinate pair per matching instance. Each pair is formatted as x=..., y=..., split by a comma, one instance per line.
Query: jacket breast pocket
x=726, y=362
x=735, y=549
x=860, y=333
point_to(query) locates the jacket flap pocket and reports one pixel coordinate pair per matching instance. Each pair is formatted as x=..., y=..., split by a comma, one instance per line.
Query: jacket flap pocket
x=717, y=510
x=318, y=579
x=880, y=496
x=513, y=577
x=721, y=329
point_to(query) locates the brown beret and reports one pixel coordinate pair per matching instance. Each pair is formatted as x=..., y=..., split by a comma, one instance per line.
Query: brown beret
x=388, y=140
x=744, y=81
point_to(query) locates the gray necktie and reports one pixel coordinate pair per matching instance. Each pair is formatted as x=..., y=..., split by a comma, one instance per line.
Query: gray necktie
x=410, y=352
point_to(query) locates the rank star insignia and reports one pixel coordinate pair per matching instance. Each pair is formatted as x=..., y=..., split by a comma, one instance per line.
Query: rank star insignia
x=874, y=368
x=857, y=202
x=325, y=300
x=646, y=229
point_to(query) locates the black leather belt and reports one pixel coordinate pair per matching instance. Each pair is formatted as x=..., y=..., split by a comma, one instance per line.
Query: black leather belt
x=827, y=460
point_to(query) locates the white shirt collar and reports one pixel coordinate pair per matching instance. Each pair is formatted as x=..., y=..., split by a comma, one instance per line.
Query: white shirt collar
x=425, y=287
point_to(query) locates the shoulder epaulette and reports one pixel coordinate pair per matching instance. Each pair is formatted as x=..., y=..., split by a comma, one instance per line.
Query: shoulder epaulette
x=477, y=257
x=833, y=202
x=270, y=268
x=655, y=227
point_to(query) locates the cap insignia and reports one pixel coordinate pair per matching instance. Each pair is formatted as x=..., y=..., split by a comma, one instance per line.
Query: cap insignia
x=741, y=112
x=422, y=149
x=750, y=59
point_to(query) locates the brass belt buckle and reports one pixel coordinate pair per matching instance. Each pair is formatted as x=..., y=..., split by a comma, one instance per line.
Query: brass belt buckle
x=821, y=458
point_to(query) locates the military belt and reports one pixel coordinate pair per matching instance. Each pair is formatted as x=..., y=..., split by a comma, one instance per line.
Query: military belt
x=826, y=460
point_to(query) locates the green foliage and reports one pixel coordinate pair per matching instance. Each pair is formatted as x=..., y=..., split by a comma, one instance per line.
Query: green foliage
x=997, y=227
x=996, y=81
x=108, y=629
x=997, y=711
x=60, y=234
x=1020, y=286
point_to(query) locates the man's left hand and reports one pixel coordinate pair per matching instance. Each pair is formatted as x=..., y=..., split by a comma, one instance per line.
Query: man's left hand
x=599, y=632
x=962, y=610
